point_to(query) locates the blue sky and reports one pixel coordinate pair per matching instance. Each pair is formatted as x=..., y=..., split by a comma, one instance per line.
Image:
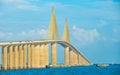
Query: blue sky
x=94, y=25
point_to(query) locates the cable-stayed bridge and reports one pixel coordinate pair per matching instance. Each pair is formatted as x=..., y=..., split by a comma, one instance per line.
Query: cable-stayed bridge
x=35, y=53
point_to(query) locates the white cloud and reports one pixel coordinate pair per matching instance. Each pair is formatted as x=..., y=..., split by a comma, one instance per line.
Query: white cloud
x=24, y=35
x=42, y=32
x=5, y=34
x=36, y=33
x=28, y=7
x=19, y=4
x=85, y=36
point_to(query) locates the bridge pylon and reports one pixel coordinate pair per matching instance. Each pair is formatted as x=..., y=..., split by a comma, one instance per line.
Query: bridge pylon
x=52, y=33
x=66, y=36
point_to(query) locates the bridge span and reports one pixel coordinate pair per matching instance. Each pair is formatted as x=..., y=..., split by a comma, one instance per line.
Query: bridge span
x=14, y=54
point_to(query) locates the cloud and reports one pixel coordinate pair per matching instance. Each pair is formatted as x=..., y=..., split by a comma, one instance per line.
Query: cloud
x=42, y=32
x=24, y=35
x=5, y=34
x=38, y=34
x=84, y=36
x=19, y=4
x=93, y=12
x=28, y=7
x=34, y=32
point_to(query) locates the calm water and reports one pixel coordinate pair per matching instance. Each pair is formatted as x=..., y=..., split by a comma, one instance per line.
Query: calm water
x=79, y=70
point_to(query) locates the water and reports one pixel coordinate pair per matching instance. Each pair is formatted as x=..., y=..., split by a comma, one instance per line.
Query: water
x=78, y=70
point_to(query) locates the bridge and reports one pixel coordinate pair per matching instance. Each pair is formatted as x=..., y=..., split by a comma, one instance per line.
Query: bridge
x=35, y=53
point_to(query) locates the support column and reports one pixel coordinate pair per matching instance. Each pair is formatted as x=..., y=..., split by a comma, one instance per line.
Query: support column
x=24, y=56
x=42, y=58
x=76, y=62
x=46, y=54
x=37, y=57
x=21, y=56
x=54, y=57
x=77, y=59
x=4, y=58
x=80, y=60
x=32, y=56
x=29, y=56
x=71, y=57
x=10, y=57
x=66, y=56
x=16, y=56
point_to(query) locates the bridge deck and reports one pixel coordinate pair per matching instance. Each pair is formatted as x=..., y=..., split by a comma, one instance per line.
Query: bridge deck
x=63, y=43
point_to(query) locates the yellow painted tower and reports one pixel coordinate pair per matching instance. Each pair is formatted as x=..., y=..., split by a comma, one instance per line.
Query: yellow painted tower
x=66, y=36
x=53, y=30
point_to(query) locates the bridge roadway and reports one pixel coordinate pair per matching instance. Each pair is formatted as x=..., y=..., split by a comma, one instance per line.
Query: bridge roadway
x=61, y=42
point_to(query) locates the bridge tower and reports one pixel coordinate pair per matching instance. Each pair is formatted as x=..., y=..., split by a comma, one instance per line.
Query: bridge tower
x=66, y=36
x=53, y=35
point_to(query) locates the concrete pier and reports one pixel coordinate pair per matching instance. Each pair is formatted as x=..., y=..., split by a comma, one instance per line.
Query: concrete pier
x=46, y=54
x=4, y=57
x=42, y=53
x=20, y=57
x=54, y=57
x=37, y=57
x=67, y=56
x=24, y=56
x=71, y=57
x=32, y=56
x=16, y=57
x=10, y=49
x=29, y=56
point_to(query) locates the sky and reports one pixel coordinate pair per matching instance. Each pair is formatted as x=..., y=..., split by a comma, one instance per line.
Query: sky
x=94, y=25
